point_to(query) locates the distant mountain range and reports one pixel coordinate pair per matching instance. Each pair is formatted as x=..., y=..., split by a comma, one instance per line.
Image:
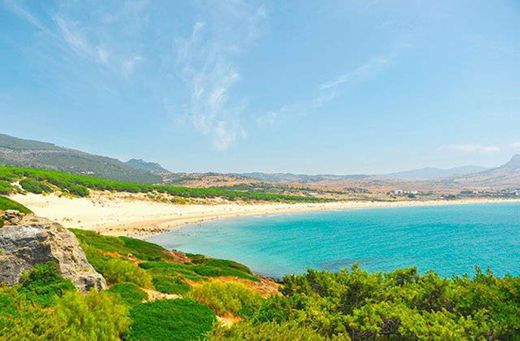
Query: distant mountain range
x=432, y=174
x=28, y=153
x=505, y=176
x=435, y=173
x=298, y=178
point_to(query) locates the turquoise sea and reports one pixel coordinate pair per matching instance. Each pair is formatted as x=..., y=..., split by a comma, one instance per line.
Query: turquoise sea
x=447, y=239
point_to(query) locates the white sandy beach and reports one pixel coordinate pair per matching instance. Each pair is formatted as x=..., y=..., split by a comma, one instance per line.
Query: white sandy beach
x=117, y=215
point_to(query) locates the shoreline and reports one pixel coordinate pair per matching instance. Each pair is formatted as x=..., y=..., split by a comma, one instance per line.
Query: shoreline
x=130, y=216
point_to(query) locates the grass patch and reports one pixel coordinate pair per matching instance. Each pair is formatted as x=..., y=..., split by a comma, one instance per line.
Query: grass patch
x=128, y=293
x=170, y=285
x=8, y=204
x=124, y=246
x=181, y=320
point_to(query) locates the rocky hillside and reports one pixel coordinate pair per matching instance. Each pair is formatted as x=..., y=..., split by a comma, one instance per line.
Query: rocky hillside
x=506, y=176
x=34, y=154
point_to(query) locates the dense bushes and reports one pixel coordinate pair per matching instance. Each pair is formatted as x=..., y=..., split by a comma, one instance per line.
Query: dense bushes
x=5, y=187
x=400, y=305
x=34, y=186
x=118, y=271
x=227, y=298
x=91, y=316
x=181, y=319
x=35, y=180
x=269, y=331
x=74, y=316
x=44, y=285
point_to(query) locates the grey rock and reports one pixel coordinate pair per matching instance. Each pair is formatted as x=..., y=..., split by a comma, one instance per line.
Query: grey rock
x=28, y=240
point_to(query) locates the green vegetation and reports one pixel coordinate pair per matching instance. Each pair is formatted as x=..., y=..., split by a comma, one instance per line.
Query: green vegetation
x=123, y=246
x=40, y=181
x=43, y=285
x=129, y=293
x=170, y=285
x=319, y=305
x=119, y=271
x=269, y=331
x=199, y=269
x=397, y=305
x=5, y=187
x=181, y=319
x=35, y=186
x=45, y=307
x=227, y=298
x=8, y=204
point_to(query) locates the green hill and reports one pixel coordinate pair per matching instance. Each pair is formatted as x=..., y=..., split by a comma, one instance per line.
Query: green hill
x=34, y=154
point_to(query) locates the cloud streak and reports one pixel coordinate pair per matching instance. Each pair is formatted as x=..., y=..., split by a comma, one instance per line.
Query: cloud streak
x=473, y=148
x=207, y=60
x=24, y=14
x=326, y=91
x=364, y=71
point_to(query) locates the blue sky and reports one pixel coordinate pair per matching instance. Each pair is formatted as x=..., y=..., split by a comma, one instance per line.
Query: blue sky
x=303, y=86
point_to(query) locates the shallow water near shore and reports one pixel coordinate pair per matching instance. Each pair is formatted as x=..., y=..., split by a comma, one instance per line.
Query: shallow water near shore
x=450, y=240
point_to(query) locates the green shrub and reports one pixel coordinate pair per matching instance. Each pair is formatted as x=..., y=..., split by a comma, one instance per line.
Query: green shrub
x=2, y=222
x=8, y=204
x=5, y=187
x=269, y=331
x=80, y=191
x=170, y=285
x=91, y=316
x=44, y=284
x=20, y=319
x=128, y=293
x=118, y=271
x=35, y=186
x=226, y=298
x=181, y=319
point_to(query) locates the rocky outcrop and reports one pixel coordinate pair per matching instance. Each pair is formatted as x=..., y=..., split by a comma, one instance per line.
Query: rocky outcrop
x=26, y=240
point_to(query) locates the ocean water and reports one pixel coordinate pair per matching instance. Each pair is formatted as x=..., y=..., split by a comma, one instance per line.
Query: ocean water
x=448, y=239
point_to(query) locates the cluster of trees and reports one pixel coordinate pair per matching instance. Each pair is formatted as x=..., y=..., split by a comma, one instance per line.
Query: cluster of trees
x=42, y=181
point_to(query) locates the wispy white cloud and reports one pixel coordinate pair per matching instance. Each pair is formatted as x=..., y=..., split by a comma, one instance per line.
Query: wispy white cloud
x=17, y=8
x=516, y=145
x=73, y=36
x=91, y=39
x=327, y=91
x=206, y=59
x=128, y=65
x=473, y=148
x=364, y=71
